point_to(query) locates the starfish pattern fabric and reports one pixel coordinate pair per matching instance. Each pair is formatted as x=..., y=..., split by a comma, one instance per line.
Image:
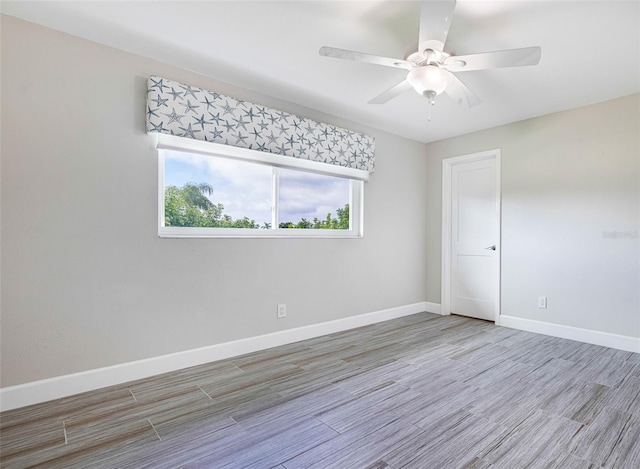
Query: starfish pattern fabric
x=186, y=111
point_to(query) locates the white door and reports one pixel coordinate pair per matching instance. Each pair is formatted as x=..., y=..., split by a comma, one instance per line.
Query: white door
x=474, y=236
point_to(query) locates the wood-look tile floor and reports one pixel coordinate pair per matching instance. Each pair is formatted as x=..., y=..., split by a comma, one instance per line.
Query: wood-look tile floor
x=423, y=391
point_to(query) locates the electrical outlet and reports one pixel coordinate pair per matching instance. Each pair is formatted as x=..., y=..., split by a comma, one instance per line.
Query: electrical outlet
x=542, y=302
x=282, y=310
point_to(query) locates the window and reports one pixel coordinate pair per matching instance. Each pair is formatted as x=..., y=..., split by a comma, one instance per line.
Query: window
x=212, y=190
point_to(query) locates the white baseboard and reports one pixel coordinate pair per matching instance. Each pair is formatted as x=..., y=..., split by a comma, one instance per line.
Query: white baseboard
x=605, y=339
x=435, y=308
x=21, y=395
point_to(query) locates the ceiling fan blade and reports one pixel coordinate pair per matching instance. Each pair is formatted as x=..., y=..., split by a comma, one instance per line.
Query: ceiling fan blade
x=459, y=92
x=391, y=93
x=435, y=20
x=362, y=57
x=500, y=59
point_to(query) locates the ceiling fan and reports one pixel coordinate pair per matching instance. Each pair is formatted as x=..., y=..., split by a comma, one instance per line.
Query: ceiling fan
x=431, y=69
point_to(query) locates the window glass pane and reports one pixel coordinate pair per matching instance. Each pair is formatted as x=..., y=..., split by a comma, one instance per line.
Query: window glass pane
x=205, y=194
x=205, y=191
x=308, y=200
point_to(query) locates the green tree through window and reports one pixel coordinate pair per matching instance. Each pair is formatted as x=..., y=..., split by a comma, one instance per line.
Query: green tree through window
x=190, y=206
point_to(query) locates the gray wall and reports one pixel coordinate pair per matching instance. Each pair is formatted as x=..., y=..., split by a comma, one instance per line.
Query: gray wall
x=87, y=283
x=567, y=179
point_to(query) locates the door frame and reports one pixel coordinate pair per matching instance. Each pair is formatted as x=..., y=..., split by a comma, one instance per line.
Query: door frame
x=447, y=165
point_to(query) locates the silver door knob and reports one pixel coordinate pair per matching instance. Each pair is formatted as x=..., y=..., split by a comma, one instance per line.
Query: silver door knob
x=493, y=248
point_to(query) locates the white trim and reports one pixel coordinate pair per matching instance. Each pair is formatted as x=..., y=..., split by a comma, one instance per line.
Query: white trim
x=160, y=191
x=590, y=336
x=21, y=395
x=447, y=164
x=173, y=142
x=434, y=308
x=356, y=213
x=275, y=196
x=185, y=232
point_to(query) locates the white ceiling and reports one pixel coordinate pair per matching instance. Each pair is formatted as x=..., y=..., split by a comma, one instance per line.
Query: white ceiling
x=590, y=52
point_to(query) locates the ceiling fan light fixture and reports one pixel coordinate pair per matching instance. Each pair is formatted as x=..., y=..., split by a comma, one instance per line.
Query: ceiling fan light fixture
x=429, y=80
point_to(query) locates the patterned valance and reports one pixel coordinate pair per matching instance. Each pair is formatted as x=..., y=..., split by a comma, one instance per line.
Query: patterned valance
x=177, y=109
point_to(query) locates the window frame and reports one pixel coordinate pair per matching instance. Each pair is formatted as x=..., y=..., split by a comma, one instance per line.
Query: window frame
x=357, y=178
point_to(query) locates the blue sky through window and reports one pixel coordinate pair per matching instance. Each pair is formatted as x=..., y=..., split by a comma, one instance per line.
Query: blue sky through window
x=245, y=188
x=309, y=195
